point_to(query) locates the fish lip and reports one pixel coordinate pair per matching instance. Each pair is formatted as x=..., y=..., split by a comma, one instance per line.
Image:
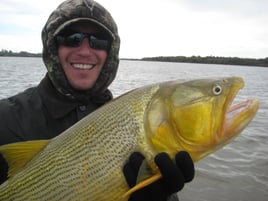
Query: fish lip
x=236, y=109
x=238, y=116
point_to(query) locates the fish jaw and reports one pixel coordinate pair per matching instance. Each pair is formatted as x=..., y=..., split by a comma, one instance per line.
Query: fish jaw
x=238, y=117
x=195, y=117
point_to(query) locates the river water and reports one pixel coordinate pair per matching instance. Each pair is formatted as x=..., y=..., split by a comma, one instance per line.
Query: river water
x=238, y=172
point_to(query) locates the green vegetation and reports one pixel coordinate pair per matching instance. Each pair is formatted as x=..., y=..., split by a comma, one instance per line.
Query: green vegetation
x=212, y=60
x=8, y=53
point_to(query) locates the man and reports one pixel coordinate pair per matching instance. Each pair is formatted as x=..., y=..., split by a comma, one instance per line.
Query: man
x=80, y=51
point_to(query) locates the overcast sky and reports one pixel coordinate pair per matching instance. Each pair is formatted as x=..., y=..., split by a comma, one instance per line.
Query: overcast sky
x=231, y=28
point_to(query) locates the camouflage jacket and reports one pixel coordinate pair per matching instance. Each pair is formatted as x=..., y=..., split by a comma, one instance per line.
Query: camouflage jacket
x=45, y=111
x=41, y=113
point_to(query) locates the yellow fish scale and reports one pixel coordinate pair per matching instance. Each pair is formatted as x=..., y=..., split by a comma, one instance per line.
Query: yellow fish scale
x=87, y=159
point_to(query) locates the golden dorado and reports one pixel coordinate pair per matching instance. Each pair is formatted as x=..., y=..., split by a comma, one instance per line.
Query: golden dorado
x=85, y=162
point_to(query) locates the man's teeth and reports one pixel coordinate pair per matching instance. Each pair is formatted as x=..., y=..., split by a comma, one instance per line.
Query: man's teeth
x=83, y=66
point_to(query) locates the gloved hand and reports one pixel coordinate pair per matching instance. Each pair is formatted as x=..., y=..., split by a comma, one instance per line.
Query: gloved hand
x=174, y=175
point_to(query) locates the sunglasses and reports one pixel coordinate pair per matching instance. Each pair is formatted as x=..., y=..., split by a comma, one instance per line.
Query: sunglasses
x=98, y=41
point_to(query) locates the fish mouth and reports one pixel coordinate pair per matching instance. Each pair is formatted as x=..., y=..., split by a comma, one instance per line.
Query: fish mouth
x=238, y=116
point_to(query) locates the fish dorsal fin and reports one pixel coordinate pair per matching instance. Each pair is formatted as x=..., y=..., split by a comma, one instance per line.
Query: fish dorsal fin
x=19, y=154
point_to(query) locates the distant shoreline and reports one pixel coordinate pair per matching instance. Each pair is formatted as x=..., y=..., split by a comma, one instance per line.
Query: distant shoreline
x=182, y=59
x=207, y=60
x=211, y=60
x=9, y=53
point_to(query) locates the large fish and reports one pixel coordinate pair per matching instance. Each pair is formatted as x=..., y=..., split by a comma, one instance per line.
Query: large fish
x=85, y=162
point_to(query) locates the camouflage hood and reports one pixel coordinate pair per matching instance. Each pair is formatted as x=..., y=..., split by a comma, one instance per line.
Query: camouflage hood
x=68, y=12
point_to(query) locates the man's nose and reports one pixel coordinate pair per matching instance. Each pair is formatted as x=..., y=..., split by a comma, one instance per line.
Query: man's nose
x=85, y=47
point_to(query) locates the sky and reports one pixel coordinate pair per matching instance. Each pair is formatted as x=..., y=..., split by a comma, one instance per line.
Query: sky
x=147, y=28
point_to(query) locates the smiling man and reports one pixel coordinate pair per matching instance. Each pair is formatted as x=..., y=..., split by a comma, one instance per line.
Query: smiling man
x=80, y=52
x=83, y=59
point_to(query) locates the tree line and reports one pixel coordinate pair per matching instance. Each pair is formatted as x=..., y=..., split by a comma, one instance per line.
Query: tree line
x=211, y=60
x=9, y=53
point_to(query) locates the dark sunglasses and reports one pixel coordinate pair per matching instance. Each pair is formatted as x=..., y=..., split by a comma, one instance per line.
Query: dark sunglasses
x=98, y=41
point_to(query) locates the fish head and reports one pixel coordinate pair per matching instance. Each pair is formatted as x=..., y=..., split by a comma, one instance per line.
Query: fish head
x=197, y=116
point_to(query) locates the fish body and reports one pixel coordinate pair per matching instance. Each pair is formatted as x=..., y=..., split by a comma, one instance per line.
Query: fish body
x=85, y=162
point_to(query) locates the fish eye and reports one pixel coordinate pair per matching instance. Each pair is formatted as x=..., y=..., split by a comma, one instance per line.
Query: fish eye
x=217, y=90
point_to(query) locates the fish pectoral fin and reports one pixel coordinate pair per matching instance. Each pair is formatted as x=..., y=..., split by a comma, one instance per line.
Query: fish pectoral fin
x=145, y=171
x=19, y=154
x=143, y=184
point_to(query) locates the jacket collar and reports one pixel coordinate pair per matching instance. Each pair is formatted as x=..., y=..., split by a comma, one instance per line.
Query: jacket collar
x=56, y=103
x=59, y=105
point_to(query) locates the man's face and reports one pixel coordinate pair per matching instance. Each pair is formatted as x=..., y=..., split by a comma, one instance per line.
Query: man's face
x=83, y=64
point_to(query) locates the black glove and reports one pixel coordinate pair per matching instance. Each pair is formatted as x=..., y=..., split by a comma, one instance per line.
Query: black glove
x=173, y=176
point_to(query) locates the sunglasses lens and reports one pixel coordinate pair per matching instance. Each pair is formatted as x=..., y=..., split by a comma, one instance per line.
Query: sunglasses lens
x=73, y=40
x=96, y=41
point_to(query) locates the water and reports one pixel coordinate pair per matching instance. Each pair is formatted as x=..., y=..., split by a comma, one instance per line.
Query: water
x=237, y=172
